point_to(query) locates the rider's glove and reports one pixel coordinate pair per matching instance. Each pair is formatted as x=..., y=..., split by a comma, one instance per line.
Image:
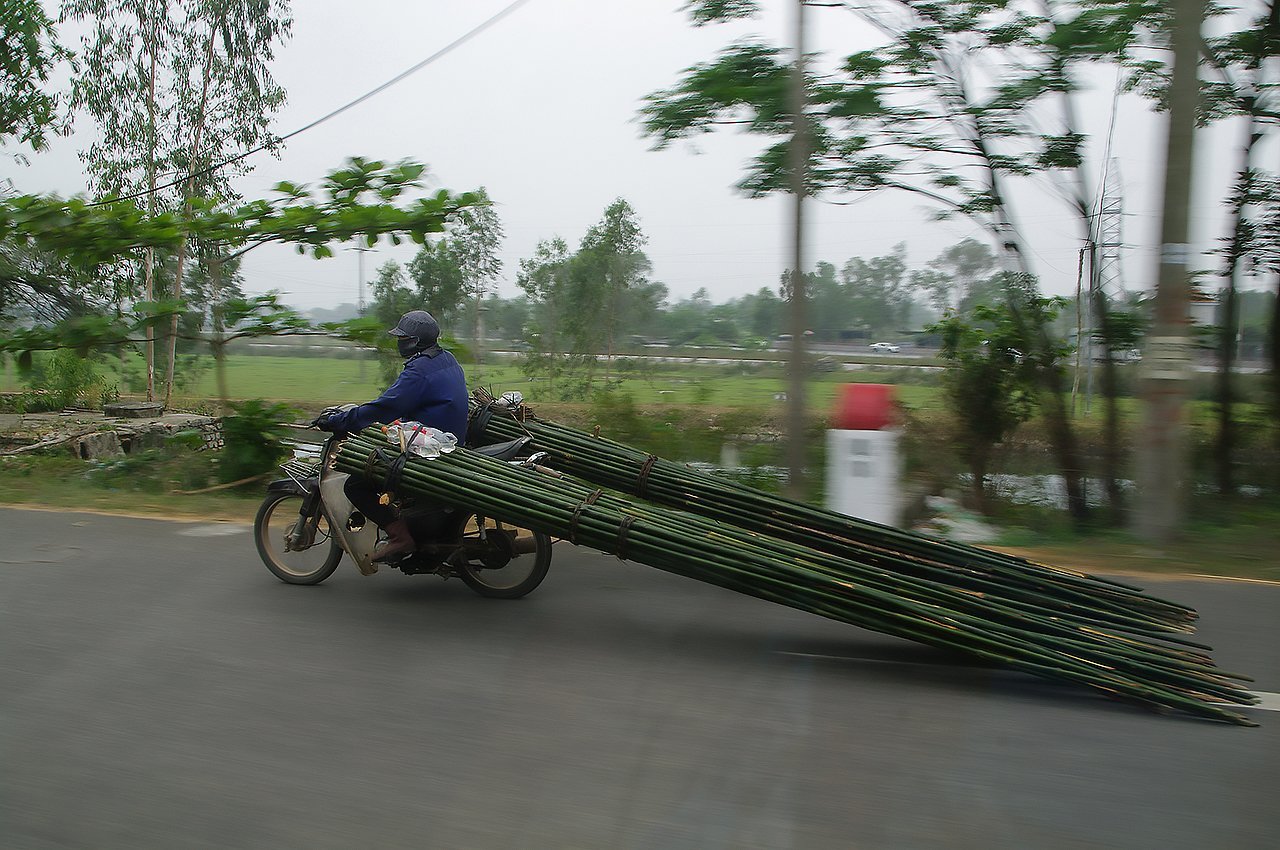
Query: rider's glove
x=328, y=420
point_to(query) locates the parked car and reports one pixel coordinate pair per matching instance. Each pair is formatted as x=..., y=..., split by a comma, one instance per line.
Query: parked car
x=885, y=347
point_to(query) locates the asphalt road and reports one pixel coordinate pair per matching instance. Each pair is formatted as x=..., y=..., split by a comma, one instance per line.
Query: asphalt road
x=158, y=688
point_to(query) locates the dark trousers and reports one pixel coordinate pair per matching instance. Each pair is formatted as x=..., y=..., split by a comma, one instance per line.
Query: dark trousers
x=364, y=495
x=425, y=518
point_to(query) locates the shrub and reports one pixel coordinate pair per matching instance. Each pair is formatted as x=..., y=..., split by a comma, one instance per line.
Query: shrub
x=252, y=438
x=62, y=379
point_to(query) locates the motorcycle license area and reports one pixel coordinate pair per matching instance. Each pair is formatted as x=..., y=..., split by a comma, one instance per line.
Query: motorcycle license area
x=547, y=481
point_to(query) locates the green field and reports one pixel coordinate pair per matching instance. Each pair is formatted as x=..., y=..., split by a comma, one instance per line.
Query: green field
x=317, y=381
x=313, y=382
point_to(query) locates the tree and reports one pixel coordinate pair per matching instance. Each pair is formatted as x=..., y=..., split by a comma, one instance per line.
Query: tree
x=936, y=286
x=180, y=86
x=28, y=111
x=392, y=297
x=990, y=390
x=475, y=243
x=438, y=279
x=762, y=313
x=121, y=68
x=610, y=262
x=908, y=115
x=1246, y=93
x=544, y=279
x=957, y=277
x=878, y=290
x=357, y=200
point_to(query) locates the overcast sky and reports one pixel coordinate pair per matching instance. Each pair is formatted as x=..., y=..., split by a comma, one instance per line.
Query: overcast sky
x=540, y=109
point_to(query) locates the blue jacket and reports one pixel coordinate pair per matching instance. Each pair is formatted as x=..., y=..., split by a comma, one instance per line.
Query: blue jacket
x=431, y=390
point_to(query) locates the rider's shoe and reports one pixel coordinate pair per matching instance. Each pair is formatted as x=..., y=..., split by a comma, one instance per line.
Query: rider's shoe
x=399, y=542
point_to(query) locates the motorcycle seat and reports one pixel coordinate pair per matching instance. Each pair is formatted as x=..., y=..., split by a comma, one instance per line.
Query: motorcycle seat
x=504, y=451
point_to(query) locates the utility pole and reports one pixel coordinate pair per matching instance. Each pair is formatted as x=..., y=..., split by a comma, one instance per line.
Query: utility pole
x=797, y=442
x=360, y=250
x=1162, y=452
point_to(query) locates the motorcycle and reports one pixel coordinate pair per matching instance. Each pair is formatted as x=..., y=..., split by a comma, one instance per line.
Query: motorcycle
x=306, y=523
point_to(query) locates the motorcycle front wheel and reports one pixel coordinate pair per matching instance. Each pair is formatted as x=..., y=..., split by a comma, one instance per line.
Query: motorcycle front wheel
x=507, y=562
x=276, y=518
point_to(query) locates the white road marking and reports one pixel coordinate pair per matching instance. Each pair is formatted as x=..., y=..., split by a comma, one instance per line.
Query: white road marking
x=218, y=529
x=1268, y=701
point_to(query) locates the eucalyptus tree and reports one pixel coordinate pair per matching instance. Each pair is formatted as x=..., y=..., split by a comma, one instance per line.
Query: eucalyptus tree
x=121, y=86
x=29, y=111
x=610, y=263
x=1246, y=62
x=232, y=110
x=179, y=88
x=544, y=279
x=474, y=243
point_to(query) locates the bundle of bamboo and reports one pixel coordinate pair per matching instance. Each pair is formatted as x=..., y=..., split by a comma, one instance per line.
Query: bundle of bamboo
x=1123, y=659
x=605, y=463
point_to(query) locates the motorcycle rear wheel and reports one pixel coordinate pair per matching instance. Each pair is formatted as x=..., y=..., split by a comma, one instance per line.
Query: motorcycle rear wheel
x=276, y=518
x=512, y=570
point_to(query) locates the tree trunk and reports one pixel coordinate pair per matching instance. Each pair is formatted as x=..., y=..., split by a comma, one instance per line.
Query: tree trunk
x=219, y=342
x=1163, y=469
x=149, y=291
x=479, y=325
x=148, y=269
x=1080, y=302
x=220, y=372
x=1224, y=447
x=1273, y=346
x=609, y=327
x=978, y=480
x=1112, y=452
x=190, y=185
x=553, y=348
x=1053, y=392
x=799, y=157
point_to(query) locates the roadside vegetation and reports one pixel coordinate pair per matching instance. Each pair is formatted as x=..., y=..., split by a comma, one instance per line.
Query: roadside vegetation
x=688, y=412
x=135, y=291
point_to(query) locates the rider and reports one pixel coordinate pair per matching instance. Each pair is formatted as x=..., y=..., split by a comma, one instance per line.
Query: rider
x=432, y=390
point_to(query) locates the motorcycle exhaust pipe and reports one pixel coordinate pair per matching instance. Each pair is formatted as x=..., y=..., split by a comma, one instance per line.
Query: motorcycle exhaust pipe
x=525, y=545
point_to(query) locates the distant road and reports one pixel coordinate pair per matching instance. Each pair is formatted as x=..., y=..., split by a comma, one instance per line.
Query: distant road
x=857, y=357
x=159, y=688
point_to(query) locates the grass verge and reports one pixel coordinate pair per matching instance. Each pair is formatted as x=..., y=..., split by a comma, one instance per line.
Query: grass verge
x=1240, y=540
x=66, y=482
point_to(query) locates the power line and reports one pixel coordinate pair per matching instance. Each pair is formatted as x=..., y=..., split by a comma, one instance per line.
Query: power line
x=448, y=48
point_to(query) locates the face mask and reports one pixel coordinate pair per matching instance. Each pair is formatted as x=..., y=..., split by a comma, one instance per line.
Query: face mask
x=407, y=345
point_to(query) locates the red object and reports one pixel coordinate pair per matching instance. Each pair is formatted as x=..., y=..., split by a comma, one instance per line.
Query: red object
x=864, y=407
